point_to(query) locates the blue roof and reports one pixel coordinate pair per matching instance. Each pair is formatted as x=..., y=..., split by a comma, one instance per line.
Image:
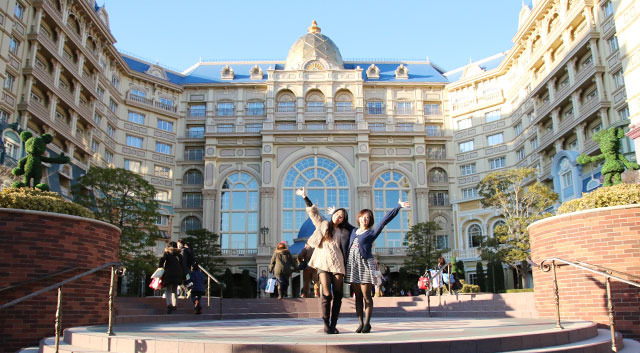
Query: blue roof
x=209, y=72
x=305, y=232
x=418, y=72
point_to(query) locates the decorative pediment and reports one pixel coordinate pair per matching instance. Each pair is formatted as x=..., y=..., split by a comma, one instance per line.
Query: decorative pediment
x=471, y=70
x=156, y=71
x=402, y=72
x=373, y=72
x=227, y=73
x=256, y=73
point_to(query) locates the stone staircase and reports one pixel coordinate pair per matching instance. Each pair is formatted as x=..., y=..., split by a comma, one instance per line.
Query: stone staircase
x=519, y=305
x=468, y=323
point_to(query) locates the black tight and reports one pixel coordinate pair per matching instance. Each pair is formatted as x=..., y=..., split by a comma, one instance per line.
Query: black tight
x=363, y=301
x=327, y=279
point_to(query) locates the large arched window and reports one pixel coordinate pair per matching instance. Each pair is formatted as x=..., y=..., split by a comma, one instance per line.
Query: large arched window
x=442, y=235
x=326, y=184
x=239, y=208
x=438, y=176
x=497, y=224
x=475, y=236
x=387, y=190
x=193, y=177
x=191, y=223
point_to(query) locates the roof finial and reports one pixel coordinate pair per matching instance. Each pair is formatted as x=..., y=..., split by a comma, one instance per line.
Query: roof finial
x=314, y=27
x=428, y=61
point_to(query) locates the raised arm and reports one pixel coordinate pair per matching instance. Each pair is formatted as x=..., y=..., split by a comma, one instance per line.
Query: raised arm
x=390, y=216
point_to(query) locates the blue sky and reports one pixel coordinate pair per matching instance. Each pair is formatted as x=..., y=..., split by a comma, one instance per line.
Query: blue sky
x=178, y=33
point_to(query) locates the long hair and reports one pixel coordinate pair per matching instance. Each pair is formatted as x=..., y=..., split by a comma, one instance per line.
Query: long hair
x=362, y=213
x=328, y=235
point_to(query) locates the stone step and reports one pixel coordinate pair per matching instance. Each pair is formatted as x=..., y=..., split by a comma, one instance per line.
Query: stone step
x=131, y=310
x=536, y=336
x=389, y=335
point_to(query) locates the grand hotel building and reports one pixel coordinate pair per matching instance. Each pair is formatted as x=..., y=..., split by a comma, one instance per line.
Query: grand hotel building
x=227, y=143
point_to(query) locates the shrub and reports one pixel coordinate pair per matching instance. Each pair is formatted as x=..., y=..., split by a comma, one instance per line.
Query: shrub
x=617, y=195
x=36, y=200
x=470, y=288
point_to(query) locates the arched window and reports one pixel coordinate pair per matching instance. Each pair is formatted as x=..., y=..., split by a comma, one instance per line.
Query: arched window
x=315, y=102
x=438, y=176
x=494, y=229
x=475, y=236
x=326, y=184
x=286, y=102
x=239, y=212
x=387, y=190
x=193, y=177
x=12, y=145
x=344, y=102
x=442, y=237
x=191, y=223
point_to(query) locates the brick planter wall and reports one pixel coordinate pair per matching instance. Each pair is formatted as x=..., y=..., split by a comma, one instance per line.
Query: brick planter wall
x=608, y=237
x=36, y=244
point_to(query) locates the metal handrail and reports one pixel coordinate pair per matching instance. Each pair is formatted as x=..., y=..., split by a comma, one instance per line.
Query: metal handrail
x=545, y=266
x=20, y=284
x=209, y=278
x=58, y=321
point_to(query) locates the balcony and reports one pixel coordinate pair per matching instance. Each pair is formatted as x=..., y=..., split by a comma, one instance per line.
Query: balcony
x=398, y=251
x=160, y=107
x=377, y=127
x=194, y=155
x=437, y=154
x=198, y=134
x=239, y=252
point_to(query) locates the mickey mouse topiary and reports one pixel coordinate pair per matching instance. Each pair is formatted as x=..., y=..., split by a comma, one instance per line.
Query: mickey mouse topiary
x=614, y=162
x=31, y=165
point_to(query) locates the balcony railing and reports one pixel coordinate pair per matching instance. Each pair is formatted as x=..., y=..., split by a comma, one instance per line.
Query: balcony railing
x=435, y=132
x=194, y=155
x=398, y=251
x=286, y=127
x=346, y=126
x=376, y=127
x=195, y=134
x=197, y=112
x=153, y=103
x=404, y=127
x=437, y=154
x=286, y=109
x=239, y=252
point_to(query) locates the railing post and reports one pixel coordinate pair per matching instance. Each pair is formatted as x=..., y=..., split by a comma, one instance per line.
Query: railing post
x=208, y=291
x=612, y=324
x=58, y=327
x=556, y=294
x=111, y=294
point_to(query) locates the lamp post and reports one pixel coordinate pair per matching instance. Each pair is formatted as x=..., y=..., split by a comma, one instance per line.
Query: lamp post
x=265, y=233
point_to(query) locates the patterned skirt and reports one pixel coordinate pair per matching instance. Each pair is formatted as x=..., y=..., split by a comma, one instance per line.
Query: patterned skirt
x=359, y=270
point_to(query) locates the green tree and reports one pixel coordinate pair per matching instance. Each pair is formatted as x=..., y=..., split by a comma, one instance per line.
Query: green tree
x=457, y=267
x=206, y=246
x=480, y=277
x=521, y=200
x=124, y=199
x=422, y=252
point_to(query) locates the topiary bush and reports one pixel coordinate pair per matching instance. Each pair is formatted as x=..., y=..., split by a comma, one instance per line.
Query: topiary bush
x=37, y=200
x=617, y=195
x=470, y=288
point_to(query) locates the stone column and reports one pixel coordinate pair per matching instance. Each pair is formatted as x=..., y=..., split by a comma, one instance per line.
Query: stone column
x=571, y=70
x=420, y=207
x=61, y=40
x=575, y=101
x=74, y=124
x=53, y=103
x=580, y=136
x=555, y=119
x=209, y=209
x=593, y=46
x=558, y=144
x=604, y=117
x=599, y=86
x=551, y=86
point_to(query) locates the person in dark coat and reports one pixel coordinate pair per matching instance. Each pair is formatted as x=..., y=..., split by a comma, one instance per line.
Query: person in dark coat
x=262, y=285
x=196, y=284
x=188, y=255
x=173, y=275
x=281, y=266
x=309, y=274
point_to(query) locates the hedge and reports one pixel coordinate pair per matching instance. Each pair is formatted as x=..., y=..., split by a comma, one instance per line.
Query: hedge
x=36, y=200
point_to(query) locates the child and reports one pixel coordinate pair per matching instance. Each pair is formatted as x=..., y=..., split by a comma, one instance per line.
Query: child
x=196, y=284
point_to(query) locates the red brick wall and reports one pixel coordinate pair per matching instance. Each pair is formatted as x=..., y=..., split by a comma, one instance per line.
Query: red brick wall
x=608, y=237
x=36, y=244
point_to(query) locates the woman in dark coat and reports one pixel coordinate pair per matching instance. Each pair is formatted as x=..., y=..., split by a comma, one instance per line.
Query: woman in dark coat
x=281, y=266
x=173, y=275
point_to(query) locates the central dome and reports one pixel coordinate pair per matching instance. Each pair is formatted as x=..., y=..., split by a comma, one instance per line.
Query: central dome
x=314, y=51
